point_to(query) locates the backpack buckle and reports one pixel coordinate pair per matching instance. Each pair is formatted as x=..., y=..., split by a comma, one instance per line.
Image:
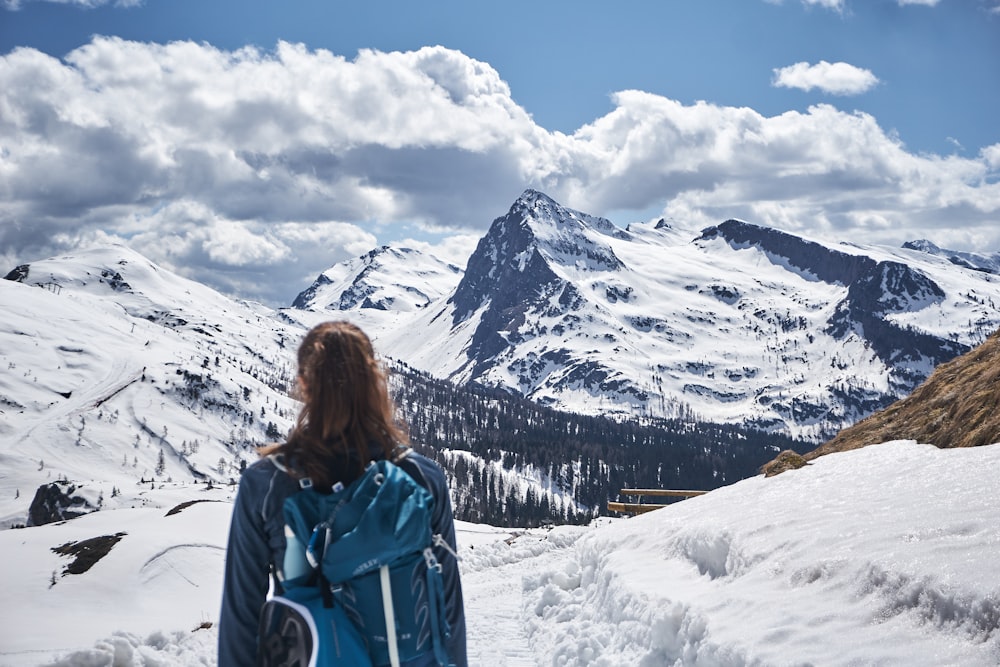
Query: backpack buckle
x=317, y=546
x=431, y=560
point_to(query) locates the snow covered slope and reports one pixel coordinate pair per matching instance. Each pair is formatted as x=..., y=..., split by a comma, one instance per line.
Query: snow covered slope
x=736, y=323
x=118, y=378
x=116, y=372
x=880, y=556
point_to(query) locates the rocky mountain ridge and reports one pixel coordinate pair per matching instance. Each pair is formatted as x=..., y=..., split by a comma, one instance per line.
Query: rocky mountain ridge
x=733, y=323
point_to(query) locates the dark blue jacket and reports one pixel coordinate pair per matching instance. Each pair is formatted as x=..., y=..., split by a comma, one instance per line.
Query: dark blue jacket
x=257, y=542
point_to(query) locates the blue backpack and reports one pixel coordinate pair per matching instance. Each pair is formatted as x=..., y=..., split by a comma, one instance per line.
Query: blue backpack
x=361, y=583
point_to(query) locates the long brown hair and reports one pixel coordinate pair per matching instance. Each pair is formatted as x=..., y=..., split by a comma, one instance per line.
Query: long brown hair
x=347, y=408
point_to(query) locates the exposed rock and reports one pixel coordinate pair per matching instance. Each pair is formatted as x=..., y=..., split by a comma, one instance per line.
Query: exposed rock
x=19, y=274
x=58, y=501
x=86, y=553
x=177, y=509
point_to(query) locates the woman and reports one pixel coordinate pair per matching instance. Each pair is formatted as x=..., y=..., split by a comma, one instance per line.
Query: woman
x=347, y=420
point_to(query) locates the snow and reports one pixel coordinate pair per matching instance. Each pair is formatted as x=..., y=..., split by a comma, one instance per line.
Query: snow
x=97, y=382
x=879, y=556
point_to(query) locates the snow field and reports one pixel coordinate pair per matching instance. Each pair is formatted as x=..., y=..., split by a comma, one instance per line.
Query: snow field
x=876, y=557
x=881, y=556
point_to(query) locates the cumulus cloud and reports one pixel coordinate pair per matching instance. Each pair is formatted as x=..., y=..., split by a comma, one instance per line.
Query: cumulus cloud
x=254, y=171
x=834, y=78
x=926, y=3
x=454, y=249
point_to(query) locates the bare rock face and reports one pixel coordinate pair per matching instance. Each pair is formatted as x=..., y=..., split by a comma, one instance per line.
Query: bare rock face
x=58, y=501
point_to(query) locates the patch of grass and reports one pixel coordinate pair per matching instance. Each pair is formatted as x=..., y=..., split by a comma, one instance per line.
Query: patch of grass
x=786, y=460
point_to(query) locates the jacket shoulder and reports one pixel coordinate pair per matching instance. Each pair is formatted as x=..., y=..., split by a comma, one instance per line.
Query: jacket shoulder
x=426, y=472
x=266, y=483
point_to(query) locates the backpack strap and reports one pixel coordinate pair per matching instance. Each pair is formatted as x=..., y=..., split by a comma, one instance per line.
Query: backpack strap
x=435, y=598
x=399, y=452
x=278, y=460
x=390, y=616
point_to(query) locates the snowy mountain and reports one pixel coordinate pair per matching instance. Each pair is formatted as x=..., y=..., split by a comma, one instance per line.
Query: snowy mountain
x=734, y=323
x=122, y=379
x=117, y=372
x=954, y=407
x=990, y=263
x=386, y=278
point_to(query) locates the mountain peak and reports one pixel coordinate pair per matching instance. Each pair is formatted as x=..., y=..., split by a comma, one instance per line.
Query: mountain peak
x=986, y=263
x=537, y=252
x=542, y=213
x=923, y=245
x=386, y=278
x=537, y=206
x=536, y=239
x=530, y=196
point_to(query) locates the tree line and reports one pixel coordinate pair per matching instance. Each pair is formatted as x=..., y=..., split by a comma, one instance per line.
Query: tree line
x=586, y=459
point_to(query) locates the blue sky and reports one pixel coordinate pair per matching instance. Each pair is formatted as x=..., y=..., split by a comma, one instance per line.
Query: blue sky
x=225, y=139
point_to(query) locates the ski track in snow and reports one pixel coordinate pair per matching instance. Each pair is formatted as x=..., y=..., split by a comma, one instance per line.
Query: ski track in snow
x=492, y=585
x=492, y=578
x=498, y=639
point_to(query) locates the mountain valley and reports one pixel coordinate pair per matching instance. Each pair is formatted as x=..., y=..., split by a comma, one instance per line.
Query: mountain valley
x=569, y=359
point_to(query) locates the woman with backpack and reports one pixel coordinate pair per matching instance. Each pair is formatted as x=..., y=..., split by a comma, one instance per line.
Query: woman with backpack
x=347, y=421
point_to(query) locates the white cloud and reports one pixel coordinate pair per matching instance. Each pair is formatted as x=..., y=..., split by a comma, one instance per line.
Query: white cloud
x=271, y=262
x=834, y=78
x=991, y=155
x=837, y=5
x=254, y=172
x=455, y=249
x=926, y=3
x=87, y=4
